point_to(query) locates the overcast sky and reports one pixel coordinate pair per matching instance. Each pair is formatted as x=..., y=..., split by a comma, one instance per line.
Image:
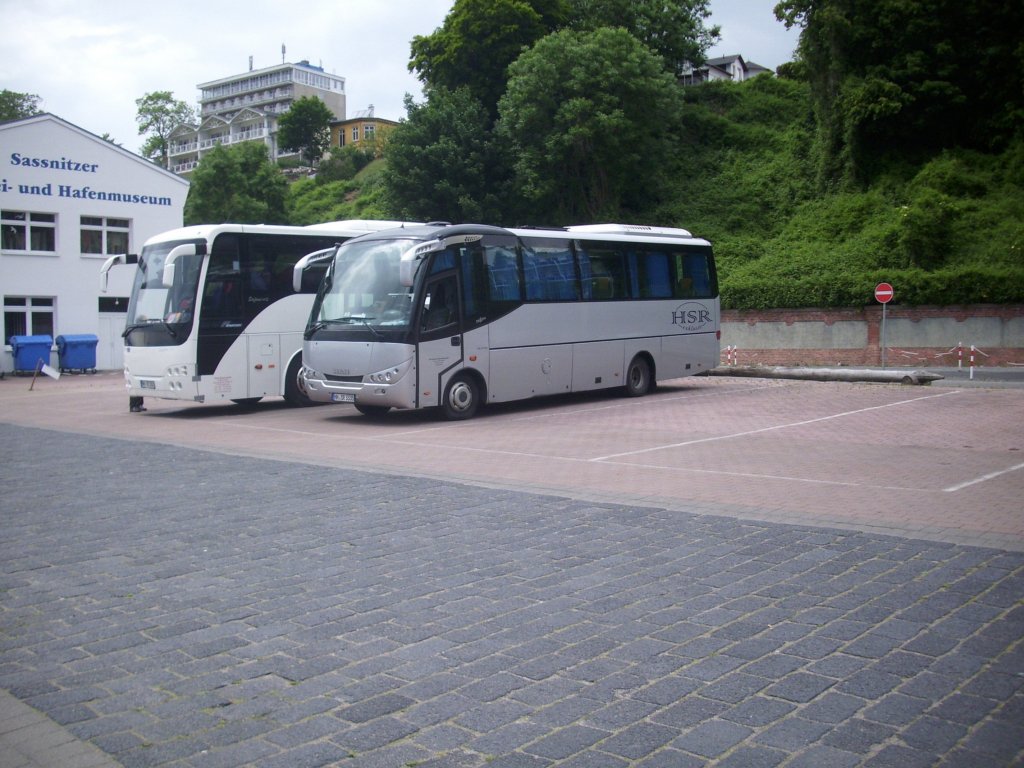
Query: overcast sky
x=89, y=60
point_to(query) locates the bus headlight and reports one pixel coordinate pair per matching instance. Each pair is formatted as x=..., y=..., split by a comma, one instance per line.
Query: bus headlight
x=388, y=375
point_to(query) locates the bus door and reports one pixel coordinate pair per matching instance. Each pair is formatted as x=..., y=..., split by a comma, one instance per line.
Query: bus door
x=439, y=352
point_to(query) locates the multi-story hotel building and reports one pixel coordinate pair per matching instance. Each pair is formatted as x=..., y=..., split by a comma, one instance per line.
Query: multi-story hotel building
x=246, y=108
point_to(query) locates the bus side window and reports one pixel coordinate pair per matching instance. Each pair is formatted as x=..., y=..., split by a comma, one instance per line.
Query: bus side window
x=550, y=273
x=502, y=274
x=222, y=295
x=693, y=275
x=604, y=271
x=223, y=298
x=440, y=304
x=651, y=274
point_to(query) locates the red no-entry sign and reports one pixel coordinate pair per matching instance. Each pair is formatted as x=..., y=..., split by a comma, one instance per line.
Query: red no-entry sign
x=883, y=293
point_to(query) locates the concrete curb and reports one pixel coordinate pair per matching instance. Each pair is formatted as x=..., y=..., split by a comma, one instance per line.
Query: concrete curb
x=885, y=375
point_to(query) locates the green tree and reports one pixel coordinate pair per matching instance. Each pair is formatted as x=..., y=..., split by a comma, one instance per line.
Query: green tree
x=237, y=184
x=305, y=128
x=906, y=78
x=588, y=116
x=158, y=113
x=443, y=163
x=674, y=30
x=477, y=42
x=14, y=105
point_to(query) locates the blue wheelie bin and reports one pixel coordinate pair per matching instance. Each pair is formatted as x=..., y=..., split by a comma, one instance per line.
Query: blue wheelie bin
x=77, y=352
x=27, y=351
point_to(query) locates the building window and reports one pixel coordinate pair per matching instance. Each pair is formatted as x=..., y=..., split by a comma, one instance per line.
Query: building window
x=368, y=132
x=355, y=133
x=24, y=231
x=102, y=235
x=27, y=316
x=113, y=304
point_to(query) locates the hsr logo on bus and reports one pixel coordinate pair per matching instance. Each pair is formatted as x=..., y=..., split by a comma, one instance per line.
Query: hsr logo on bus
x=691, y=316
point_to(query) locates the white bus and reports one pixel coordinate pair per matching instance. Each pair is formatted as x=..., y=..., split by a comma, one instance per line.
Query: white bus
x=459, y=316
x=213, y=315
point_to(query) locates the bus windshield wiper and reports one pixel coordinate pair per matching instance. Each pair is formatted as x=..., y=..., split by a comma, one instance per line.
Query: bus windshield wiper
x=135, y=326
x=321, y=324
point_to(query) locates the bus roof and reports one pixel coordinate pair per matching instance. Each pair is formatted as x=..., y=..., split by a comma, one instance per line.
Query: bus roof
x=617, y=232
x=347, y=228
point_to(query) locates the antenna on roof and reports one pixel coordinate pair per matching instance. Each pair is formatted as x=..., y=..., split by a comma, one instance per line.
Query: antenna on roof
x=282, y=53
x=250, y=63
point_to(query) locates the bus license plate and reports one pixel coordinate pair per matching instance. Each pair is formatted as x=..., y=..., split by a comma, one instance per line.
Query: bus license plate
x=143, y=384
x=335, y=398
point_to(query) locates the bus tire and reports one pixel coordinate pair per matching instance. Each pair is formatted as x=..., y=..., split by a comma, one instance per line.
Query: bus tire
x=294, y=392
x=461, y=398
x=638, y=377
x=372, y=411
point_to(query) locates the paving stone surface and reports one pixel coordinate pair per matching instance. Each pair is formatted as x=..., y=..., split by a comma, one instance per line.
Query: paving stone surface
x=175, y=607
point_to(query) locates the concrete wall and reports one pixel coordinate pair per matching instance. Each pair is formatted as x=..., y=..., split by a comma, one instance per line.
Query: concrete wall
x=915, y=336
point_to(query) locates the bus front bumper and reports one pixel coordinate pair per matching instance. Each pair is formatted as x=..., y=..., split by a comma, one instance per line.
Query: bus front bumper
x=394, y=394
x=170, y=385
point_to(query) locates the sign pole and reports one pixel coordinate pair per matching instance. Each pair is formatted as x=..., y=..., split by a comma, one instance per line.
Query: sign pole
x=883, y=333
x=883, y=295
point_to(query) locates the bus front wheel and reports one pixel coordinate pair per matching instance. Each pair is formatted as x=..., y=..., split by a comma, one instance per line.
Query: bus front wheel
x=638, y=377
x=294, y=390
x=461, y=398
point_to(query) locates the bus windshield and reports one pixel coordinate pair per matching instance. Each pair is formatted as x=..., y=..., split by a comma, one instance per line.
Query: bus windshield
x=153, y=302
x=363, y=287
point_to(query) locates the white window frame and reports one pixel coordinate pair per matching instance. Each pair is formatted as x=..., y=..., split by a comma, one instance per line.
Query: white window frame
x=29, y=225
x=32, y=306
x=106, y=226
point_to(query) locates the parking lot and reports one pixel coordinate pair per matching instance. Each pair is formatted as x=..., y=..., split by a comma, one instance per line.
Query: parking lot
x=730, y=572
x=936, y=462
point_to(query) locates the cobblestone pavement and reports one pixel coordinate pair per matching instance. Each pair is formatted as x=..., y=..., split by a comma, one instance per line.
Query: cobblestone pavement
x=174, y=607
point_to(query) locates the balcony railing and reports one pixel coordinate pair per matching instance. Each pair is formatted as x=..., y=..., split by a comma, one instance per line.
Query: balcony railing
x=255, y=133
x=184, y=148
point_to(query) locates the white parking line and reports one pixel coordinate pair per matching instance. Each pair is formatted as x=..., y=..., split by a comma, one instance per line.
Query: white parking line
x=770, y=429
x=765, y=476
x=982, y=479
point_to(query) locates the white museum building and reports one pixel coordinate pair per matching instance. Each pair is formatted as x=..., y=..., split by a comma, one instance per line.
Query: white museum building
x=69, y=199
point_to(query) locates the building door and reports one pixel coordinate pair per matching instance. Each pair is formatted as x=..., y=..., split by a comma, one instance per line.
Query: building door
x=110, y=349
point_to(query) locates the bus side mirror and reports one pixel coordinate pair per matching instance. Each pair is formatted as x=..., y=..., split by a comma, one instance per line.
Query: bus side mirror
x=120, y=258
x=185, y=249
x=306, y=261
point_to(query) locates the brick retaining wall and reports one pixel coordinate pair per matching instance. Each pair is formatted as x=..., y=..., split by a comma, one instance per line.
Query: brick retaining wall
x=915, y=336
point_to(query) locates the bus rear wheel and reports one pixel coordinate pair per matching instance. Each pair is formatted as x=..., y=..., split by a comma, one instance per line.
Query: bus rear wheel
x=638, y=377
x=461, y=398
